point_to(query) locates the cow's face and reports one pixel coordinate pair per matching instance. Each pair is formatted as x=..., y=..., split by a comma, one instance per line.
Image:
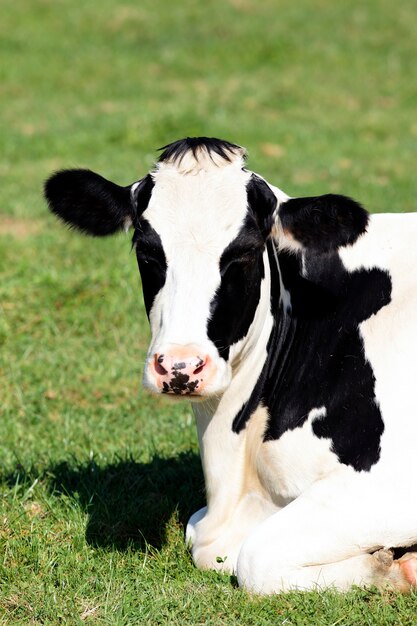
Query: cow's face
x=199, y=245
x=201, y=221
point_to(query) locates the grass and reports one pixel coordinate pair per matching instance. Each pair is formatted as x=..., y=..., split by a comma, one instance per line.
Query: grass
x=97, y=479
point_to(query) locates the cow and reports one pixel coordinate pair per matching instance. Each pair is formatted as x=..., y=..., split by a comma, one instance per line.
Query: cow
x=291, y=325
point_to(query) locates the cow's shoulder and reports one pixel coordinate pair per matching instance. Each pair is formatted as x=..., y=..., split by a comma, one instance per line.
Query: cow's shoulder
x=321, y=360
x=287, y=466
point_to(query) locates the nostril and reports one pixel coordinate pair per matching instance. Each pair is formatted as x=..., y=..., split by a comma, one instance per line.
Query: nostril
x=159, y=369
x=200, y=366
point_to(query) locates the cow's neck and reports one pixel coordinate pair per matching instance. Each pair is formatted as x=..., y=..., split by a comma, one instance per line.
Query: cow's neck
x=223, y=444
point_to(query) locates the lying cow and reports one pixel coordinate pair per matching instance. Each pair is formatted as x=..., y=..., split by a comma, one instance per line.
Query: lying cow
x=291, y=325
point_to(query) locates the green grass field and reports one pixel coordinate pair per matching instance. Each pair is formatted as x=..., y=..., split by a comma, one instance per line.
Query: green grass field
x=96, y=478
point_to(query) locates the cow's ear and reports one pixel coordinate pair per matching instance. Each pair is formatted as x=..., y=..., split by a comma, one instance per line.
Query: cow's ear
x=262, y=202
x=322, y=223
x=92, y=204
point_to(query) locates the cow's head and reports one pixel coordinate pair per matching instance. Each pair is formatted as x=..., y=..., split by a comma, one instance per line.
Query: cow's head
x=201, y=221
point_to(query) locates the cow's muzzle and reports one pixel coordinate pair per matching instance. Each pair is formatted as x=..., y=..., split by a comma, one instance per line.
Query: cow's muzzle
x=181, y=370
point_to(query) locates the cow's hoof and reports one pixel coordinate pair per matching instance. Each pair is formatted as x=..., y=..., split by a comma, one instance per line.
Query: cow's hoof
x=400, y=574
x=408, y=566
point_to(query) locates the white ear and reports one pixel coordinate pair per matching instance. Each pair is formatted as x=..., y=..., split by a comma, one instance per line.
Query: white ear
x=128, y=223
x=133, y=188
x=284, y=238
x=140, y=194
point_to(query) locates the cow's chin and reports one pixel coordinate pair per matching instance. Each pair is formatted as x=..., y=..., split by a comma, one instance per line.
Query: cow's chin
x=195, y=398
x=203, y=396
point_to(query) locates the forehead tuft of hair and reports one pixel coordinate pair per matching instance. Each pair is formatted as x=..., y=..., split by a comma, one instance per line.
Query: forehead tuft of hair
x=196, y=153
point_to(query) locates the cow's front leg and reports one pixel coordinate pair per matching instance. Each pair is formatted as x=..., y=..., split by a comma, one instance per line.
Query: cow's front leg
x=215, y=539
x=191, y=530
x=326, y=537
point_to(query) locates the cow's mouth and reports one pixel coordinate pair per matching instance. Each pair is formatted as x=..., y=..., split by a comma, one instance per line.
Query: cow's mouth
x=181, y=384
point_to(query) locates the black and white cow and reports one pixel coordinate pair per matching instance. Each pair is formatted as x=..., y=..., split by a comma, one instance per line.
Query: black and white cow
x=291, y=325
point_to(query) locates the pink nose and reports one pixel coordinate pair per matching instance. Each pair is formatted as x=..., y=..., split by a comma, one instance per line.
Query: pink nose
x=181, y=371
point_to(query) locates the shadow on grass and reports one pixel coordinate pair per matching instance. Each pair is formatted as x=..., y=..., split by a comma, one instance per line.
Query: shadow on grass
x=128, y=503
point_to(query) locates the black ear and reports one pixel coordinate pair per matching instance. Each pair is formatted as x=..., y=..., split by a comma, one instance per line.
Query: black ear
x=262, y=202
x=91, y=203
x=324, y=222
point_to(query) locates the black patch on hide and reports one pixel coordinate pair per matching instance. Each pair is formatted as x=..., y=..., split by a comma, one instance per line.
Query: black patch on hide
x=151, y=260
x=234, y=305
x=316, y=357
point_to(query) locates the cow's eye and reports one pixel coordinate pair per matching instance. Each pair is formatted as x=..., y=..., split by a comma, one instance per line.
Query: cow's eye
x=244, y=260
x=151, y=256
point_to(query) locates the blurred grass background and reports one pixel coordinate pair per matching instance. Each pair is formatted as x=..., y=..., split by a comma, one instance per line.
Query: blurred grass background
x=97, y=479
